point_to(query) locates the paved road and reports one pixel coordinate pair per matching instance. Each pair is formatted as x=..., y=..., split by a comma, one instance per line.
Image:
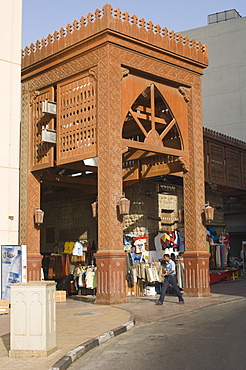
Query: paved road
x=212, y=338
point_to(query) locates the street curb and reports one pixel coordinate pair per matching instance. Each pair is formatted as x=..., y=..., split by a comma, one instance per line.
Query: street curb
x=73, y=355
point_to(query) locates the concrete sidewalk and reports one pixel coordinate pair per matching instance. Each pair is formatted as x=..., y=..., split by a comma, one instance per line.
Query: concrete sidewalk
x=79, y=321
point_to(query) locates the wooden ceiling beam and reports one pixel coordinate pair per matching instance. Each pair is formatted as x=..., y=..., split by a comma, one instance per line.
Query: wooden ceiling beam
x=58, y=180
x=154, y=149
x=78, y=166
x=168, y=128
x=135, y=116
x=146, y=116
x=134, y=154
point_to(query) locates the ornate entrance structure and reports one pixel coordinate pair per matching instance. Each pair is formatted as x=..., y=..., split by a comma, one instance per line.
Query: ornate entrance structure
x=127, y=92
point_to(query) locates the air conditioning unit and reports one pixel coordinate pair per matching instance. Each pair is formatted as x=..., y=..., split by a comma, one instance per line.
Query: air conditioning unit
x=48, y=107
x=48, y=136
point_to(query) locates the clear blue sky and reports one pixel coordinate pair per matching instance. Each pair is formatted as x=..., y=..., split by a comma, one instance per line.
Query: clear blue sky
x=41, y=17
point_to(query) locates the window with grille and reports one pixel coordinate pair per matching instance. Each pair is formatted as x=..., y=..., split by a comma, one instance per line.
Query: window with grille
x=76, y=119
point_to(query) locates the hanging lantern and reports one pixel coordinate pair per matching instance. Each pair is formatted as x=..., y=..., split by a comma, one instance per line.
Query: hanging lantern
x=38, y=216
x=209, y=213
x=124, y=206
x=94, y=209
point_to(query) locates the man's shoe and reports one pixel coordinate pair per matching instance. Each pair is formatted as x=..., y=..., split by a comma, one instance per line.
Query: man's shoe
x=181, y=302
x=159, y=303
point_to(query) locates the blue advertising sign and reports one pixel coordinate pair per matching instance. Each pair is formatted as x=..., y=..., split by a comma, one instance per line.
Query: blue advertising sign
x=11, y=267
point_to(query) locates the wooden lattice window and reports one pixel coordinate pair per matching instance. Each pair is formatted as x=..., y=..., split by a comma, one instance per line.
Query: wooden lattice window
x=216, y=163
x=76, y=119
x=42, y=153
x=233, y=168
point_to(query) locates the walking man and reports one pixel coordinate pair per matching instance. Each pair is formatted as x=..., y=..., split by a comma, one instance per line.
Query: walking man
x=170, y=278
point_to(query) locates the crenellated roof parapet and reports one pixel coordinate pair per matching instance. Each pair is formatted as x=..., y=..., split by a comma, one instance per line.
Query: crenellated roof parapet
x=211, y=134
x=121, y=22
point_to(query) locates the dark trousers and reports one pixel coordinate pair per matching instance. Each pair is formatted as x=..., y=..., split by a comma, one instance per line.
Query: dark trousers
x=170, y=279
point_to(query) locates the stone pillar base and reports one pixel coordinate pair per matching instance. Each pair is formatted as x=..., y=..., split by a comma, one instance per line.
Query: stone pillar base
x=27, y=353
x=196, y=268
x=111, y=274
x=33, y=319
x=34, y=266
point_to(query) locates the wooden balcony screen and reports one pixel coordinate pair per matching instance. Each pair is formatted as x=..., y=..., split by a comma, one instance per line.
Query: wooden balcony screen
x=76, y=120
x=233, y=170
x=42, y=153
x=225, y=162
x=216, y=163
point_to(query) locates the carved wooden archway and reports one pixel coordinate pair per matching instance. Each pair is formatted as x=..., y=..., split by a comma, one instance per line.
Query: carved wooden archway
x=151, y=137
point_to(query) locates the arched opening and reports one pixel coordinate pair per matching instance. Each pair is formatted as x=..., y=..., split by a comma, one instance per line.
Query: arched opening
x=151, y=121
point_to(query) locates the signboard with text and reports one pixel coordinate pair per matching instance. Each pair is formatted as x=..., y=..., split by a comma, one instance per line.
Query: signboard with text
x=12, y=267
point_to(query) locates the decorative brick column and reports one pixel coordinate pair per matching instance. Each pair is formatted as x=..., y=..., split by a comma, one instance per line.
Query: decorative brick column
x=196, y=258
x=29, y=197
x=110, y=257
x=33, y=231
x=111, y=277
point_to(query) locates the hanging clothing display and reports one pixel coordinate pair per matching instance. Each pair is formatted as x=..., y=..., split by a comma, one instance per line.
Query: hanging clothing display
x=77, y=249
x=218, y=246
x=155, y=256
x=91, y=277
x=55, y=266
x=68, y=247
x=157, y=241
x=71, y=270
x=140, y=244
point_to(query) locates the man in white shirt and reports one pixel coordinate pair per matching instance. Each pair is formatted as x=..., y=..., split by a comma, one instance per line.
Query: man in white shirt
x=170, y=278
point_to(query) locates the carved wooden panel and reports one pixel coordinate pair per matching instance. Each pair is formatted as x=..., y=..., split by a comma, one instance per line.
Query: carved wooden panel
x=24, y=153
x=76, y=119
x=42, y=153
x=233, y=168
x=206, y=159
x=216, y=155
x=194, y=193
x=109, y=151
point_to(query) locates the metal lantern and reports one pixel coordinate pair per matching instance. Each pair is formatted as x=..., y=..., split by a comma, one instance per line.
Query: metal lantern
x=209, y=213
x=94, y=209
x=124, y=206
x=38, y=216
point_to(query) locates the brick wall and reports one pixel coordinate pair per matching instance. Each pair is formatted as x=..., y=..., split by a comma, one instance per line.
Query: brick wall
x=70, y=219
x=154, y=207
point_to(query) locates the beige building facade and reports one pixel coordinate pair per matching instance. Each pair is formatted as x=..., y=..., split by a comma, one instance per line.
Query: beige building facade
x=10, y=100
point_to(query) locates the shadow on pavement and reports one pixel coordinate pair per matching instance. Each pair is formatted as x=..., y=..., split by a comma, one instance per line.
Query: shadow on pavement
x=6, y=341
x=232, y=288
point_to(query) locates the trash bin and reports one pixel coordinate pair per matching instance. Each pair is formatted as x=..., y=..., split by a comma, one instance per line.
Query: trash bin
x=33, y=319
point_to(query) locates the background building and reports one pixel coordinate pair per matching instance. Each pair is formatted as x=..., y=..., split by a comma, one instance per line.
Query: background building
x=10, y=91
x=224, y=81
x=224, y=109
